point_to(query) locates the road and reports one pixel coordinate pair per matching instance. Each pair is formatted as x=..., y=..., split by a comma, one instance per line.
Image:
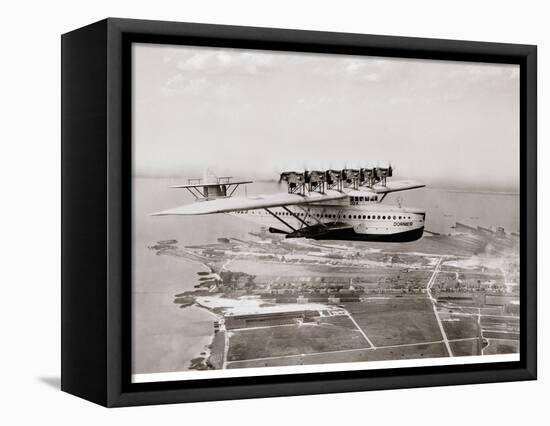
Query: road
x=361, y=331
x=434, y=305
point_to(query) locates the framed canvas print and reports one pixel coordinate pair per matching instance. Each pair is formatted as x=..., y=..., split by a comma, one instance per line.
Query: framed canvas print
x=254, y=212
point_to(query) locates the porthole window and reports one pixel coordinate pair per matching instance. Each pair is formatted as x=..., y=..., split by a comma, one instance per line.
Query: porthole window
x=394, y=218
x=378, y=217
x=368, y=217
x=384, y=217
x=364, y=217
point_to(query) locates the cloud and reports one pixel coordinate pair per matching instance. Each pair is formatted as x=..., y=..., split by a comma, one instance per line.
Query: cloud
x=180, y=84
x=223, y=61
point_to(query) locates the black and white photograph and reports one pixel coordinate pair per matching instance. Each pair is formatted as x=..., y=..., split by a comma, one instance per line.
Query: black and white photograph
x=275, y=213
x=298, y=212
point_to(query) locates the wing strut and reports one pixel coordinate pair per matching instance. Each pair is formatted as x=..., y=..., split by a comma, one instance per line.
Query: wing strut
x=296, y=216
x=279, y=219
x=308, y=214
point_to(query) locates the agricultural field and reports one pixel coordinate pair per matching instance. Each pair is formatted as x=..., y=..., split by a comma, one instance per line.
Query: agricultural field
x=466, y=347
x=287, y=340
x=396, y=320
x=500, y=323
x=497, y=346
x=433, y=350
x=460, y=326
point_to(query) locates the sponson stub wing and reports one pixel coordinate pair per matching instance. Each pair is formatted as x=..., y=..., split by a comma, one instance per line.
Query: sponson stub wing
x=395, y=186
x=232, y=204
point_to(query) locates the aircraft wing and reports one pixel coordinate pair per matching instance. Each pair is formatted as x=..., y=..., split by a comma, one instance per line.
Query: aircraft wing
x=397, y=185
x=231, y=204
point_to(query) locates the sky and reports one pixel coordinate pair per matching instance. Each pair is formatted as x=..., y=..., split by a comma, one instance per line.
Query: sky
x=253, y=114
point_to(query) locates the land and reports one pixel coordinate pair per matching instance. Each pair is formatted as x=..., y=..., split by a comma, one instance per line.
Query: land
x=293, y=302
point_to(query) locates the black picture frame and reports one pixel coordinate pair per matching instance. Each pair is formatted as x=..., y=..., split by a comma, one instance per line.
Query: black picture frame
x=96, y=212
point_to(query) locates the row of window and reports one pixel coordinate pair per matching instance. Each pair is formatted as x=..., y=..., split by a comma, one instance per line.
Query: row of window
x=334, y=216
x=365, y=198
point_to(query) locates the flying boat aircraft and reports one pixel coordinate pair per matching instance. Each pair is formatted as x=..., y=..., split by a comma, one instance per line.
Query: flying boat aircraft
x=320, y=204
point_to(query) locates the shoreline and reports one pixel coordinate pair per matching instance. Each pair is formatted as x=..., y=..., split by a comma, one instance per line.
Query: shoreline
x=204, y=362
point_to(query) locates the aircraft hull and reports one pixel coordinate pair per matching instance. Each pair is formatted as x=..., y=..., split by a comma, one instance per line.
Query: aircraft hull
x=371, y=223
x=351, y=235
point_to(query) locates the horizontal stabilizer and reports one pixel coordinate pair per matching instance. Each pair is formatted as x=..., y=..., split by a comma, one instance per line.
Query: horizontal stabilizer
x=201, y=185
x=232, y=204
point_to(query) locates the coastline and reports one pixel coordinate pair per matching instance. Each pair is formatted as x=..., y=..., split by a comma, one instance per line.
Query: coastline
x=207, y=358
